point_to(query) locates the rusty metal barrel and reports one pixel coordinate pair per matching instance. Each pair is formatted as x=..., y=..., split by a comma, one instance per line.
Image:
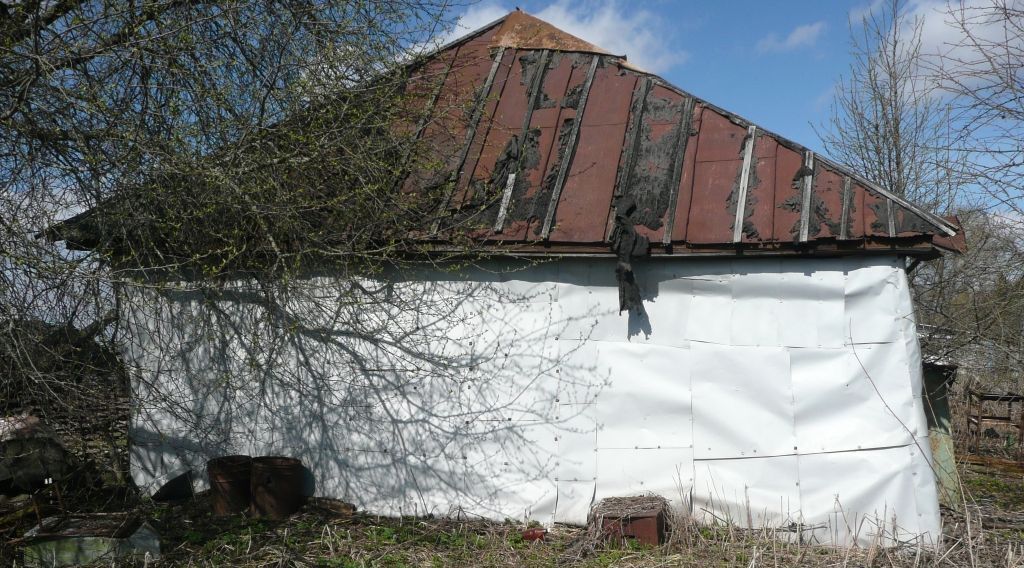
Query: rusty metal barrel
x=229, y=484
x=277, y=485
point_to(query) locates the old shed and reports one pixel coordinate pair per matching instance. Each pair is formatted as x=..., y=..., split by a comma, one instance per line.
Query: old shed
x=720, y=317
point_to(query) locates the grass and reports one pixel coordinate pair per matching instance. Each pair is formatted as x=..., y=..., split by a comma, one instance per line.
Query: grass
x=316, y=538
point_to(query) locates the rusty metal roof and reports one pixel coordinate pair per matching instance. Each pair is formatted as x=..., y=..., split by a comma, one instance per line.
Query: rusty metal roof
x=520, y=30
x=543, y=132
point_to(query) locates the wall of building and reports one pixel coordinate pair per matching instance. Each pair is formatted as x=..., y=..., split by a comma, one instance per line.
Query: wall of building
x=764, y=392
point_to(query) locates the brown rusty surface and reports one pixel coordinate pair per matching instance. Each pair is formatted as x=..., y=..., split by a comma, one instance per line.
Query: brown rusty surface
x=711, y=213
x=909, y=223
x=957, y=243
x=566, y=111
x=586, y=199
x=786, y=223
x=523, y=31
x=759, y=216
x=720, y=138
x=685, y=194
x=646, y=528
x=650, y=182
x=873, y=214
x=826, y=203
x=628, y=141
x=532, y=196
x=719, y=160
x=856, y=213
x=444, y=129
x=498, y=122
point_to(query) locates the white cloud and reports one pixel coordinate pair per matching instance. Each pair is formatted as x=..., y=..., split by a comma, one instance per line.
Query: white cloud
x=619, y=28
x=477, y=16
x=859, y=13
x=802, y=36
x=939, y=34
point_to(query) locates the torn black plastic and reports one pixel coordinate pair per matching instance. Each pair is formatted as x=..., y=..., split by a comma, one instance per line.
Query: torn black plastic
x=627, y=244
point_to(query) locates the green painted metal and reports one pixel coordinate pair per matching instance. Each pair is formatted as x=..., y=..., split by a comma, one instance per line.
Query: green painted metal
x=937, y=379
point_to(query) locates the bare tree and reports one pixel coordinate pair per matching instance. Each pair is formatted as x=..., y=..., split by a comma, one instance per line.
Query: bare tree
x=982, y=71
x=226, y=155
x=886, y=119
x=898, y=118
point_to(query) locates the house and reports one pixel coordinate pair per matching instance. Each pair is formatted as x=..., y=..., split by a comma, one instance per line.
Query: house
x=690, y=306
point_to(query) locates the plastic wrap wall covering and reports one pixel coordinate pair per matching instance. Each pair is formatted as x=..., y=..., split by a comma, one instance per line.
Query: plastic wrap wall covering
x=764, y=392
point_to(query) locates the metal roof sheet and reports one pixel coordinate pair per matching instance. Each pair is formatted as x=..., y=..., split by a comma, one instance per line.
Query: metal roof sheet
x=560, y=128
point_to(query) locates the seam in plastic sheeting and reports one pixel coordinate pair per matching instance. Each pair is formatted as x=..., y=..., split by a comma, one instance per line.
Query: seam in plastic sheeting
x=745, y=396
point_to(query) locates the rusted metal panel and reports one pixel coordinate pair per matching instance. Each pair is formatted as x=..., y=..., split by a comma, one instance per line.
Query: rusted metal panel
x=684, y=194
x=530, y=152
x=826, y=203
x=716, y=175
x=652, y=181
x=700, y=177
x=631, y=147
x=438, y=127
x=472, y=78
x=759, y=214
x=711, y=213
x=532, y=197
x=875, y=215
x=788, y=194
x=465, y=69
x=720, y=138
x=549, y=109
x=908, y=223
x=646, y=527
x=523, y=31
x=683, y=130
x=498, y=122
x=856, y=212
x=589, y=186
x=957, y=243
x=572, y=109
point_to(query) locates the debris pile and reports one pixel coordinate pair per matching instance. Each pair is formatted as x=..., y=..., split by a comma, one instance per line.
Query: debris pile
x=616, y=520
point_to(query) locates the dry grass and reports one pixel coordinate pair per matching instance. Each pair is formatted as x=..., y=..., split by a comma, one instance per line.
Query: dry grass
x=317, y=538
x=988, y=530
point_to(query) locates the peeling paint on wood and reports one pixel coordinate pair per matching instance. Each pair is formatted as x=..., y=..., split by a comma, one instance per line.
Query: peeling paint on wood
x=741, y=198
x=805, y=202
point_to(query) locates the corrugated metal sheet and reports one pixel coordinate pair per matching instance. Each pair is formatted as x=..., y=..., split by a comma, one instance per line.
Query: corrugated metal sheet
x=559, y=128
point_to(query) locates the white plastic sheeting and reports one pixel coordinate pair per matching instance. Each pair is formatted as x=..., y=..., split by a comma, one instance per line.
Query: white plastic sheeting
x=763, y=392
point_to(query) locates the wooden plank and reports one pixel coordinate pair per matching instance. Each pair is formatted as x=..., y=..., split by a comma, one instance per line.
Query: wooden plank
x=741, y=197
x=510, y=184
x=805, y=200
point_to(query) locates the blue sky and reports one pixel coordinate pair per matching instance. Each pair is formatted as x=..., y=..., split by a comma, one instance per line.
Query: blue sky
x=774, y=63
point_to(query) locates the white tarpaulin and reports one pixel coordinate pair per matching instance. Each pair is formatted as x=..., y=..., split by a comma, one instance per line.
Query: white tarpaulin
x=762, y=392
